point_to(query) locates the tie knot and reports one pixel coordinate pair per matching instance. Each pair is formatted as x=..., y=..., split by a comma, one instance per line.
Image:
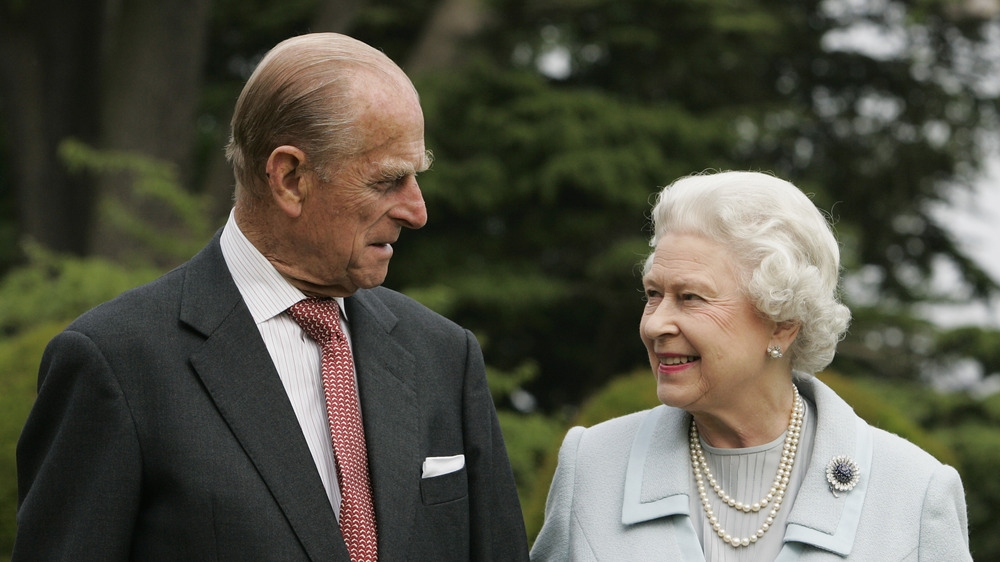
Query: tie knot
x=320, y=318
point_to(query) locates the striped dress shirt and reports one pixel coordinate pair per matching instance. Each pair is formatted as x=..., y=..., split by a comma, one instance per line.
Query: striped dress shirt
x=296, y=356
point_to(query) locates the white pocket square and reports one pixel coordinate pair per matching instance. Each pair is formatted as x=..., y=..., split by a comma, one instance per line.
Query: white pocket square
x=437, y=466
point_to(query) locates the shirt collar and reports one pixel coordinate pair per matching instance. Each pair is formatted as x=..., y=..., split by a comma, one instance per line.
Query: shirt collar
x=266, y=293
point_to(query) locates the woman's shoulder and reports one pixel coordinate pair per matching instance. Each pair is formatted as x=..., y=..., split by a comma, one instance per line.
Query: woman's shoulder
x=890, y=451
x=616, y=433
x=895, y=451
x=629, y=423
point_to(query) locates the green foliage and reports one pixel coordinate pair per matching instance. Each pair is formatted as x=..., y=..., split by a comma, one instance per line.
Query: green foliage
x=630, y=393
x=18, y=372
x=854, y=125
x=151, y=180
x=536, y=203
x=529, y=436
x=976, y=343
x=51, y=287
x=551, y=176
x=529, y=439
x=8, y=215
x=505, y=383
x=978, y=446
x=869, y=402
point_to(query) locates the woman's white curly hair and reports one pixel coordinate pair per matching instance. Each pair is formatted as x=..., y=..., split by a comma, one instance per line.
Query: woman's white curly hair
x=786, y=250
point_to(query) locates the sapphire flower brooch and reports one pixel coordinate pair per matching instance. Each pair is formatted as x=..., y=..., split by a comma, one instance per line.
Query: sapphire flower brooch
x=843, y=474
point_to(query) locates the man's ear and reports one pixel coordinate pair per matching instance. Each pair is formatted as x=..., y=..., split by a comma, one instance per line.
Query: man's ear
x=287, y=180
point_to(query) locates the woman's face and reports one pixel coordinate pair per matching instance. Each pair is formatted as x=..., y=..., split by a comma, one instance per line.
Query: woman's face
x=706, y=343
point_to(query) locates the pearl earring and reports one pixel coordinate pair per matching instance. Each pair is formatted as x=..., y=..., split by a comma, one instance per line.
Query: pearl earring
x=775, y=351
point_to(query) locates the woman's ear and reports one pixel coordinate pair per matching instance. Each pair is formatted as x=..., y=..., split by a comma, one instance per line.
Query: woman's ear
x=785, y=334
x=288, y=183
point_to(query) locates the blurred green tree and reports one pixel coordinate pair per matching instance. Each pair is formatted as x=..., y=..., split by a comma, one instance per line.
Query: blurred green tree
x=569, y=115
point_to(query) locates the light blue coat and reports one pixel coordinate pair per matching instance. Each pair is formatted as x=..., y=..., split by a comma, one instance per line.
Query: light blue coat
x=621, y=493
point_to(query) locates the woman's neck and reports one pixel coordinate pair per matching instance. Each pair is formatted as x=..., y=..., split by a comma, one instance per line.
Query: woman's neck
x=757, y=418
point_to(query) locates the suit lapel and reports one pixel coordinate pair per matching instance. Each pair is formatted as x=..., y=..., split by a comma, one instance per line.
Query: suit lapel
x=389, y=407
x=238, y=374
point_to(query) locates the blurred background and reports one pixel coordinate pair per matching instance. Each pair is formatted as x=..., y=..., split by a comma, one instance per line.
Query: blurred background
x=553, y=122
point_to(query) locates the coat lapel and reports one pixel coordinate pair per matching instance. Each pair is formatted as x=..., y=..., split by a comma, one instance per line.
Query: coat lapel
x=657, y=484
x=656, y=481
x=389, y=407
x=237, y=372
x=818, y=517
x=653, y=486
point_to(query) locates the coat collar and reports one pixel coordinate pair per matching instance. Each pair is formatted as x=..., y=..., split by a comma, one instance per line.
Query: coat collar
x=657, y=480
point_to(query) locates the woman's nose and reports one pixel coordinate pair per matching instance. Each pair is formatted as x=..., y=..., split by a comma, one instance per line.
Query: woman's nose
x=662, y=321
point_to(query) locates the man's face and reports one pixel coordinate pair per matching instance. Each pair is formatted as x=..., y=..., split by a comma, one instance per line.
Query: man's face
x=344, y=235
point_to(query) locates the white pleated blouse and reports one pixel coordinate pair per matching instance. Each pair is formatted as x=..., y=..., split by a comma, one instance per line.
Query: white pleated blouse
x=747, y=474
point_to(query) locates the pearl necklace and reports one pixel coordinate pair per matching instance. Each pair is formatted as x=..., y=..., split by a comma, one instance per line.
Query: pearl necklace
x=774, y=496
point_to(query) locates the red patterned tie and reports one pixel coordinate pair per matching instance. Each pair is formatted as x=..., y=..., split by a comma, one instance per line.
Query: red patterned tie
x=320, y=318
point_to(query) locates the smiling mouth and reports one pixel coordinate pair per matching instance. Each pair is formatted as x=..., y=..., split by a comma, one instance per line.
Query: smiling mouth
x=678, y=360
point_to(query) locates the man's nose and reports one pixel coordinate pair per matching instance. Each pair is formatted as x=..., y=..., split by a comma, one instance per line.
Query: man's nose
x=410, y=210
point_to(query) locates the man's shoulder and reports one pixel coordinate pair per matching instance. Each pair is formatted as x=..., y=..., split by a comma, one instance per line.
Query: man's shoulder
x=407, y=309
x=145, y=301
x=160, y=298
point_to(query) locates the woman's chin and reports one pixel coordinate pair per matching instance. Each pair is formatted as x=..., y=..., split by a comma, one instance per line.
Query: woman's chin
x=670, y=395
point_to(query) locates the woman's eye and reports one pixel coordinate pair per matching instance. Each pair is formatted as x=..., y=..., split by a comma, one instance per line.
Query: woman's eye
x=690, y=297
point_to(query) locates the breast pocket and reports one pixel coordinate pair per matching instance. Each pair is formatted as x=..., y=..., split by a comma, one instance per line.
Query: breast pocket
x=444, y=488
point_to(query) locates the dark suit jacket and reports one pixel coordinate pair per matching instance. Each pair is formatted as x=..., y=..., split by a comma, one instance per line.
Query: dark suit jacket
x=162, y=432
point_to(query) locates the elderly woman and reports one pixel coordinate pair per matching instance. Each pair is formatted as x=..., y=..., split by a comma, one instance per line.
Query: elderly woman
x=750, y=457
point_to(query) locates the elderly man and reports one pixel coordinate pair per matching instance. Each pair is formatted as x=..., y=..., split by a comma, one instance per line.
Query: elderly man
x=268, y=400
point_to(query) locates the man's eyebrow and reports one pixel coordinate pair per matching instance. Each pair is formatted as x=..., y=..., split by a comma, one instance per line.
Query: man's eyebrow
x=401, y=169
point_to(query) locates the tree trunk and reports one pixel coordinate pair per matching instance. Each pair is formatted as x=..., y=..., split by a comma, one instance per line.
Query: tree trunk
x=336, y=15
x=49, y=86
x=152, y=90
x=442, y=42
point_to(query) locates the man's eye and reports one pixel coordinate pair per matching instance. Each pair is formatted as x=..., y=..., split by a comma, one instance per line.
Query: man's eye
x=390, y=184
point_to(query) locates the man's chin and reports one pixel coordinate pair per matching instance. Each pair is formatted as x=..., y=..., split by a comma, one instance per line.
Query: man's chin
x=343, y=285
x=368, y=278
